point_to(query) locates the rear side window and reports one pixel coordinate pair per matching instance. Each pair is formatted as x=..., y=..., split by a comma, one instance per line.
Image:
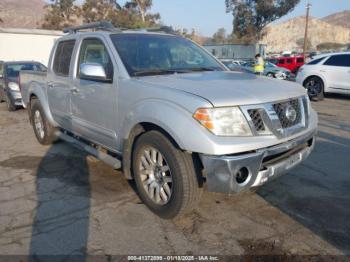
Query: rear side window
x=63, y=57
x=338, y=60
x=316, y=61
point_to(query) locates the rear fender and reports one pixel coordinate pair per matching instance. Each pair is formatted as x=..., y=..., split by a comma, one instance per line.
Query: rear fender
x=36, y=90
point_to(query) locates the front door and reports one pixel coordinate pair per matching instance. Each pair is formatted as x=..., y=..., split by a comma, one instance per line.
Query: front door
x=94, y=102
x=59, y=84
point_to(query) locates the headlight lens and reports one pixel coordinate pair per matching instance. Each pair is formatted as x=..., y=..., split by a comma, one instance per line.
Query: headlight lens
x=13, y=86
x=226, y=121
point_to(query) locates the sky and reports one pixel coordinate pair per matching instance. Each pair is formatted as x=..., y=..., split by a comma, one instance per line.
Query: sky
x=206, y=16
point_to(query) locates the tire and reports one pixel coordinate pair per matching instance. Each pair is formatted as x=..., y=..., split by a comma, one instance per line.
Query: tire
x=10, y=105
x=44, y=131
x=182, y=194
x=315, y=88
x=271, y=75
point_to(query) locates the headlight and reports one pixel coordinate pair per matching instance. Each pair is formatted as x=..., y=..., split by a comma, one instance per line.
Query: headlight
x=225, y=121
x=13, y=86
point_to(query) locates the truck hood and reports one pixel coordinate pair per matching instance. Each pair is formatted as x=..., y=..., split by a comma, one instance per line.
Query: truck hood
x=226, y=88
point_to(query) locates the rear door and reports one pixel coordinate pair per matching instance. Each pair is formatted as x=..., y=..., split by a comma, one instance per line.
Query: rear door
x=337, y=71
x=60, y=82
x=94, y=103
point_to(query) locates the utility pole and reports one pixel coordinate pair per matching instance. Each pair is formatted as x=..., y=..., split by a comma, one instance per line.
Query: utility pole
x=308, y=7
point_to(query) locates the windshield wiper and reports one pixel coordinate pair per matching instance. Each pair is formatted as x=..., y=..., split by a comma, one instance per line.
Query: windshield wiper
x=200, y=69
x=157, y=72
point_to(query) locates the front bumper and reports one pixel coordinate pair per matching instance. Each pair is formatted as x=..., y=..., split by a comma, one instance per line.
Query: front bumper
x=240, y=172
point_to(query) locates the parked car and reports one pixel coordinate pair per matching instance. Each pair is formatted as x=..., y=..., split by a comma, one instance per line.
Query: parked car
x=168, y=113
x=236, y=67
x=271, y=70
x=327, y=73
x=292, y=63
x=9, y=81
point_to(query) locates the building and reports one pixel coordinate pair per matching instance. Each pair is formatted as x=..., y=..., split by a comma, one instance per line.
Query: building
x=236, y=51
x=27, y=44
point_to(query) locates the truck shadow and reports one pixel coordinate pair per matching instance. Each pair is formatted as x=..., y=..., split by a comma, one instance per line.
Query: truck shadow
x=61, y=221
x=317, y=194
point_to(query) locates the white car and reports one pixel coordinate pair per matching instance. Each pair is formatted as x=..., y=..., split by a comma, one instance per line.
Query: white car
x=327, y=73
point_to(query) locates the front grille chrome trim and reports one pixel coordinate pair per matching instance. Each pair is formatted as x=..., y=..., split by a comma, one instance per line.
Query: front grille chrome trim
x=271, y=120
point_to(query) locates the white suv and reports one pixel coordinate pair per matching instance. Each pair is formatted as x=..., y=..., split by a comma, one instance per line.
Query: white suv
x=328, y=73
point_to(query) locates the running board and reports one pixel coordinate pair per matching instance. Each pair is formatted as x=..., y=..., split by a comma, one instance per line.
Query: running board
x=109, y=160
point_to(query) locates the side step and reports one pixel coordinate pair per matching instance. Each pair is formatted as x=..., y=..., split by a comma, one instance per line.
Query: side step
x=109, y=160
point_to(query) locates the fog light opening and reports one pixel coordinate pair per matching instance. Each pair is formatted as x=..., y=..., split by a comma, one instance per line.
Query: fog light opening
x=242, y=175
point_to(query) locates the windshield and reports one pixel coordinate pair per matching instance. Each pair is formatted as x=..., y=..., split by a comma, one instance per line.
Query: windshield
x=150, y=54
x=12, y=70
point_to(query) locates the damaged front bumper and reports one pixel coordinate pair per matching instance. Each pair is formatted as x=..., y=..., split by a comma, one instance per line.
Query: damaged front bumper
x=240, y=172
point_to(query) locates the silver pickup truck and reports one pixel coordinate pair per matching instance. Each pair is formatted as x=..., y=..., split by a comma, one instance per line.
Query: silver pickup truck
x=169, y=114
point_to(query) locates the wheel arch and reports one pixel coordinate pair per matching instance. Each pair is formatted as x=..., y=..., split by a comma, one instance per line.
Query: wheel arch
x=325, y=87
x=128, y=143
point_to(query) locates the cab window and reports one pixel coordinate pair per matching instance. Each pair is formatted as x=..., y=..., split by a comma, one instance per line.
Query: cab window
x=63, y=57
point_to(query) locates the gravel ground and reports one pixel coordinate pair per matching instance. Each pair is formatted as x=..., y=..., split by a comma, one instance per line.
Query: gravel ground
x=58, y=201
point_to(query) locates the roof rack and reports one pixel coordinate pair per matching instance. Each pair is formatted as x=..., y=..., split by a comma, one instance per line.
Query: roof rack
x=103, y=25
x=165, y=29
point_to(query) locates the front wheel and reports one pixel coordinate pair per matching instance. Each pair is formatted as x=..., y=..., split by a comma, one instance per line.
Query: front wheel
x=10, y=105
x=166, y=177
x=315, y=88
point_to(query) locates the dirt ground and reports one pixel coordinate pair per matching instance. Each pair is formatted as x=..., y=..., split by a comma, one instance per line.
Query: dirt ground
x=58, y=201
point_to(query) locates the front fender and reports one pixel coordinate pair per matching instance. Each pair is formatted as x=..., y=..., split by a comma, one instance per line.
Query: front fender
x=174, y=119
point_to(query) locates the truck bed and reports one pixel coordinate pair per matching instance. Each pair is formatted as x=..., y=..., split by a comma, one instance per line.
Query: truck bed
x=30, y=80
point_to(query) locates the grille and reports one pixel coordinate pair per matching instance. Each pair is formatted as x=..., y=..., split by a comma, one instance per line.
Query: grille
x=257, y=120
x=289, y=113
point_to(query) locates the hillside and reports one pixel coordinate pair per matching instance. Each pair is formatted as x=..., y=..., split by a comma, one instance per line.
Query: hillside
x=285, y=36
x=21, y=13
x=341, y=19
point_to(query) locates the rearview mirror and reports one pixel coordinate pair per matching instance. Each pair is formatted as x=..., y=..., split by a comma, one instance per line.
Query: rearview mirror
x=94, y=72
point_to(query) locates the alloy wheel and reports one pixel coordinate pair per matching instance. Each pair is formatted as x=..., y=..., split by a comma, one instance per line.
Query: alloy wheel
x=155, y=176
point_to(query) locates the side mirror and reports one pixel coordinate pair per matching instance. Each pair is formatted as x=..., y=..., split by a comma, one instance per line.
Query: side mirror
x=94, y=72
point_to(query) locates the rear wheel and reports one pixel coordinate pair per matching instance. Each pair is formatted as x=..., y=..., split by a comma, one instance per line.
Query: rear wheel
x=315, y=88
x=44, y=131
x=165, y=176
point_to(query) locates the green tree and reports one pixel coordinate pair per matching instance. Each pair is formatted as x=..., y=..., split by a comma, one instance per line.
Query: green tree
x=220, y=37
x=250, y=17
x=142, y=7
x=60, y=14
x=328, y=46
x=99, y=10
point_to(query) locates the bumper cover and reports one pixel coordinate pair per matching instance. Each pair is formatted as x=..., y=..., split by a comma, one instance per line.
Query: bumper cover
x=258, y=167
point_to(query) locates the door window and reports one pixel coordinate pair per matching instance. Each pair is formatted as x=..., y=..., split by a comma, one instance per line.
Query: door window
x=94, y=51
x=289, y=61
x=281, y=61
x=63, y=57
x=338, y=60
